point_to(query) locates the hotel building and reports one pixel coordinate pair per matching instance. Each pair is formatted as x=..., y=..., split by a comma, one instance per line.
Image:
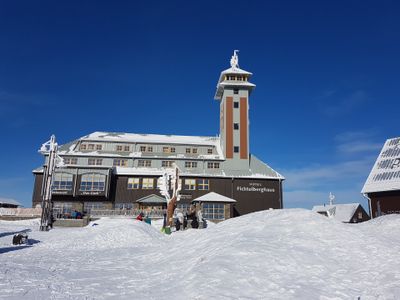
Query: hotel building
x=112, y=170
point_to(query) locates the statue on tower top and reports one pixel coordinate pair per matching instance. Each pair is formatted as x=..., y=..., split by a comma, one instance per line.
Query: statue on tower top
x=235, y=60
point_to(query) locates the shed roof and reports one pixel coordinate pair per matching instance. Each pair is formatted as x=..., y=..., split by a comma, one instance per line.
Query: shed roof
x=153, y=198
x=340, y=212
x=214, y=197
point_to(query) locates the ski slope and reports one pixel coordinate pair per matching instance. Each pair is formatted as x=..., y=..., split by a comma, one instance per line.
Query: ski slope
x=280, y=254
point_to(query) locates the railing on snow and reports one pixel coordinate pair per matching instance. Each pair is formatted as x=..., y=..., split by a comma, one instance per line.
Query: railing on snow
x=153, y=214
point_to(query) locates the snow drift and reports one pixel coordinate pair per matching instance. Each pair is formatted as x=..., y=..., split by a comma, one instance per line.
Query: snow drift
x=281, y=254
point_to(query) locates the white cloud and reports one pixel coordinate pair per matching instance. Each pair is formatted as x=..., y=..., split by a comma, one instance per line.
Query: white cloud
x=327, y=175
x=359, y=147
x=349, y=136
x=336, y=104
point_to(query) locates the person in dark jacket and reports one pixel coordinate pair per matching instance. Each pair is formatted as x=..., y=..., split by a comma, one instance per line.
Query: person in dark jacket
x=195, y=223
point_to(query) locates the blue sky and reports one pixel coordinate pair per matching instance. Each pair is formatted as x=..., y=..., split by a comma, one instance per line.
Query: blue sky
x=327, y=76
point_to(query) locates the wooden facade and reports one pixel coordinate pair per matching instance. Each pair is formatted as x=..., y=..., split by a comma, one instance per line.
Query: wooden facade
x=251, y=194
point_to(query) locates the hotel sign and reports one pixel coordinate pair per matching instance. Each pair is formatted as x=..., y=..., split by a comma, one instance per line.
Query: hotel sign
x=255, y=187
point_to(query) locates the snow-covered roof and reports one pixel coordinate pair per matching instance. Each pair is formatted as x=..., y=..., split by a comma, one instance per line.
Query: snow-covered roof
x=214, y=197
x=72, y=148
x=340, y=212
x=153, y=198
x=257, y=169
x=152, y=138
x=9, y=201
x=385, y=174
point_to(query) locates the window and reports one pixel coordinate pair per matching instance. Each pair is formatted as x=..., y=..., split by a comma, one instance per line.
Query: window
x=190, y=164
x=236, y=149
x=123, y=205
x=99, y=147
x=214, y=211
x=209, y=151
x=360, y=215
x=90, y=147
x=82, y=147
x=95, y=161
x=146, y=149
x=203, y=184
x=133, y=183
x=167, y=163
x=213, y=165
x=120, y=162
x=236, y=91
x=168, y=149
x=184, y=207
x=190, y=184
x=144, y=163
x=62, y=182
x=147, y=183
x=89, y=206
x=120, y=148
x=236, y=104
x=93, y=182
x=70, y=160
x=236, y=126
x=191, y=150
x=62, y=208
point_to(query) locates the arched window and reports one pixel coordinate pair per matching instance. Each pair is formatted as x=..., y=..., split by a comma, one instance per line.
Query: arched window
x=62, y=182
x=93, y=182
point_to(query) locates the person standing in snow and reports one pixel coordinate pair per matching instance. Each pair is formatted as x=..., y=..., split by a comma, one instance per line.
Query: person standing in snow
x=140, y=217
x=200, y=217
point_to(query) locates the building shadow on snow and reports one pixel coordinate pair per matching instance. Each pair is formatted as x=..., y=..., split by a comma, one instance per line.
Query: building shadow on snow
x=28, y=244
x=3, y=234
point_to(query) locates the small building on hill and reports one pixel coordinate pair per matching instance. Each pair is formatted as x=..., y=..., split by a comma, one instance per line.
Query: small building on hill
x=9, y=203
x=382, y=188
x=346, y=213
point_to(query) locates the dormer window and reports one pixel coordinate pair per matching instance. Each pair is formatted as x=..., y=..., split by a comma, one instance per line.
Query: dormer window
x=169, y=149
x=209, y=151
x=95, y=161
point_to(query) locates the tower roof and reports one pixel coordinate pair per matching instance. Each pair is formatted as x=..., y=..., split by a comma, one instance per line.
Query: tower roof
x=234, y=70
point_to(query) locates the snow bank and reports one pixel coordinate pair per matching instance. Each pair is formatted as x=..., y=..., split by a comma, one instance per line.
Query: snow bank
x=280, y=254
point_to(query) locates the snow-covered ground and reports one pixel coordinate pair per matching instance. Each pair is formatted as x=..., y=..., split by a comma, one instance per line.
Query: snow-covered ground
x=280, y=254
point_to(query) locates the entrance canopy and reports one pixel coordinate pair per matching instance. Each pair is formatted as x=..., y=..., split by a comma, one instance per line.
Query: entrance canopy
x=214, y=197
x=152, y=199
